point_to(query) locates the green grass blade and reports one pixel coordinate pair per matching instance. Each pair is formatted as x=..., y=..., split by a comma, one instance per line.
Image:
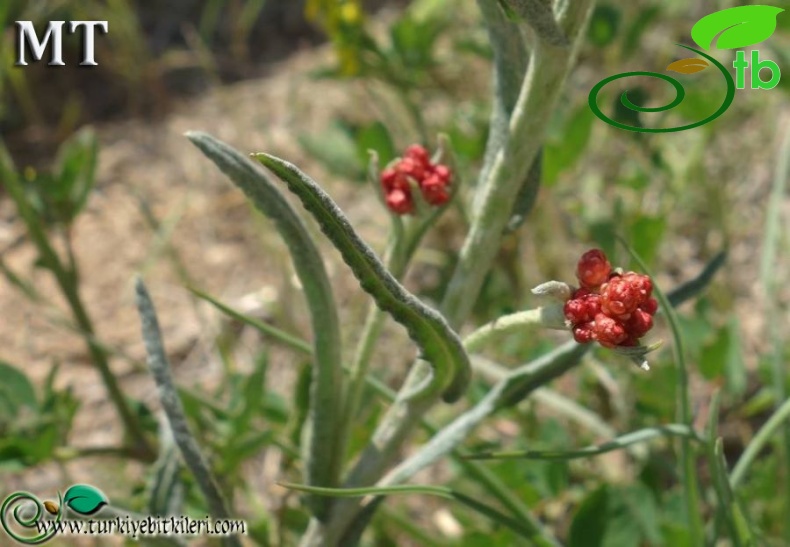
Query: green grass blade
x=686, y=291
x=440, y=345
x=322, y=455
x=728, y=508
x=406, y=489
x=758, y=442
x=619, y=443
x=293, y=342
x=689, y=474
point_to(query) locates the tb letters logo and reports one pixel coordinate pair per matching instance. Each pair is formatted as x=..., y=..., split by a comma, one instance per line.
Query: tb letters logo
x=731, y=28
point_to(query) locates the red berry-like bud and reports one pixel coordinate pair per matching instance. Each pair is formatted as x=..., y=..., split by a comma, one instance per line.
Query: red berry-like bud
x=434, y=190
x=593, y=268
x=619, y=297
x=639, y=323
x=583, y=334
x=642, y=283
x=593, y=302
x=575, y=311
x=609, y=332
x=388, y=177
x=582, y=292
x=419, y=153
x=650, y=306
x=400, y=202
x=443, y=172
x=412, y=167
x=582, y=309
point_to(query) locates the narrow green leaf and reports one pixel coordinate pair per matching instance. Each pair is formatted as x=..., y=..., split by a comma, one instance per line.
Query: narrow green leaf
x=739, y=529
x=323, y=463
x=336, y=149
x=405, y=489
x=75, y=171
x=736, y=27
x=439, y=344
x=689, y=289
x=758, y=443
x=375, y=137
x=618, y=443
x=280, y=335
x=683, y=406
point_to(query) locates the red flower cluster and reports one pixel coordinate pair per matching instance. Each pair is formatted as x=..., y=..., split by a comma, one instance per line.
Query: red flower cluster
x=433, y=180
x=611, y=308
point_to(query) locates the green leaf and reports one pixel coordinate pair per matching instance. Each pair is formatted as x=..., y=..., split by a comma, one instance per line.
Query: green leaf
x=413, y=41
x=618, y=443
x=440, y=491
x=336, y=149
x=375, y=137
x=565, y=149
x=632, y=517
x=323, y=463
x=687, y=290
x=16, y=391
x=279, y=335
x=440, y=345
x=736, y=27
x=739, y=527
x=722, y=357
x=85, y=499
x=590, y=521
x=646, y=235
x=604, y=23
x=75, y=170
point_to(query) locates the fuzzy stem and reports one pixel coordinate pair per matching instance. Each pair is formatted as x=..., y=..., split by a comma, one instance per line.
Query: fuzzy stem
x=548, y=68
x=538, y=92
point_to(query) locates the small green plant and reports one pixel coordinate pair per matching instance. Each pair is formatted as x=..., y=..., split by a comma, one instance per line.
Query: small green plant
x=48, y=203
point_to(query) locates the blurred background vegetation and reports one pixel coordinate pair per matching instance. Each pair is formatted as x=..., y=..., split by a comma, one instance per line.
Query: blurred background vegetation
x=416, y=69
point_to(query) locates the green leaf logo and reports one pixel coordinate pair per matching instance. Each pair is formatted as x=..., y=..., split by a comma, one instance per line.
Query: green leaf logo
x=84, y=499
x=736, y=27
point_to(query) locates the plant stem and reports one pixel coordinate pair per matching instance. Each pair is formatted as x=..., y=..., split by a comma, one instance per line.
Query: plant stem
x=683, y=409
x=547, y=317
x=543, y=82
x=476, y=471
